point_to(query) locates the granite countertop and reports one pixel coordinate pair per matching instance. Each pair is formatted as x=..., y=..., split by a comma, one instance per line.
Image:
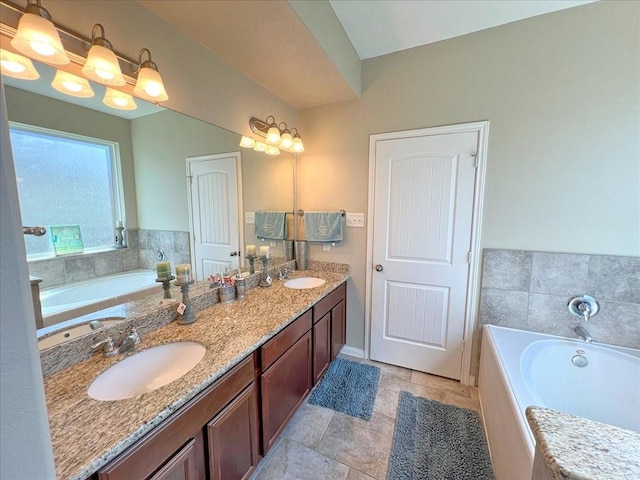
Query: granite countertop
x=576, y=448
x=87, y=433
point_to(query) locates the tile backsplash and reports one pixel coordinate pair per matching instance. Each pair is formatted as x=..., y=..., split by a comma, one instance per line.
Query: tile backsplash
x=174, y=244
x=530, y=291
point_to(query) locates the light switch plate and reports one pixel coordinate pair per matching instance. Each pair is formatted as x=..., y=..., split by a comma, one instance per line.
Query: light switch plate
x=355, y=220
x=250, y=217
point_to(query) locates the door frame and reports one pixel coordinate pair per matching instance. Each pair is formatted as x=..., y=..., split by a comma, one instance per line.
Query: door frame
x=213, y=156
x=473, y=290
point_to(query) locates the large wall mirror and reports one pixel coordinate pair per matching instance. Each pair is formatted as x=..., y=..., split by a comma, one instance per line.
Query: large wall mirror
x=154, y=145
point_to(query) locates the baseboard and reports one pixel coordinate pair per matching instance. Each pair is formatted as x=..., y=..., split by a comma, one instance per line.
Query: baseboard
x=352, y=351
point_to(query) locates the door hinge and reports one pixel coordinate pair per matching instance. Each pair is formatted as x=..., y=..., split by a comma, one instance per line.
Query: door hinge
x=469, y=256
x=475, y=159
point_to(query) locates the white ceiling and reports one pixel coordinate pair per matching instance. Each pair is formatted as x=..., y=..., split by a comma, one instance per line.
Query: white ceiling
x=379, y=27
x=269, y=43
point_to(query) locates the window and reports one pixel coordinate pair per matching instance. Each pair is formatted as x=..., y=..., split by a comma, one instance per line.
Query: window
x=66, y=179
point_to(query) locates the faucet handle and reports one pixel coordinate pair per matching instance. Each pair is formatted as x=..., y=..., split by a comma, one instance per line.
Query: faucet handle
x=107, y=346
x=135, y=336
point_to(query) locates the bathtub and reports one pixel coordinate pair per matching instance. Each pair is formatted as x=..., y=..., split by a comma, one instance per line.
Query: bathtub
x=520, y=368
x=75, y=299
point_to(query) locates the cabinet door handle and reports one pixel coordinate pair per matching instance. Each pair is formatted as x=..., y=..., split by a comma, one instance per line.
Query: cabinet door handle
x=379, y=268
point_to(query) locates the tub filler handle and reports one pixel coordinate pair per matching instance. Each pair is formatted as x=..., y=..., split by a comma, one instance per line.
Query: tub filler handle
x=583, y=306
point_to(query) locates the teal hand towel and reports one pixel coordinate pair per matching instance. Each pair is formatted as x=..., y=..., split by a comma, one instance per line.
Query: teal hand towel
x=271, y=225
x=323, y=227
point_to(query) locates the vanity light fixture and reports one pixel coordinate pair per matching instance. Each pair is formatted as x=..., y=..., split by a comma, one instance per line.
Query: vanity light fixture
x=298, y=146
x=17, y=66
x=286, y=141
x=102, y=64
x=37, y=36
x=247, y=142
x=149, y=84
x=119, y=100
x=71, y=84
x=273, y=134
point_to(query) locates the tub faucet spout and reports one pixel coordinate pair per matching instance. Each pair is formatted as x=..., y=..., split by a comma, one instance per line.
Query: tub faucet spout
x=583, y=333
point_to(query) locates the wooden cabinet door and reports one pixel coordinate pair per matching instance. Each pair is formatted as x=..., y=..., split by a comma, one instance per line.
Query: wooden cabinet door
x=183, y=465
x=338, y=328
x=321, y=347
x=234, y=438
x=284, y=387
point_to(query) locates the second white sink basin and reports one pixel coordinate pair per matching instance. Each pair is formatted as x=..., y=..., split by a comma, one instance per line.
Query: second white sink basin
x=304, y=282
x=146, y=371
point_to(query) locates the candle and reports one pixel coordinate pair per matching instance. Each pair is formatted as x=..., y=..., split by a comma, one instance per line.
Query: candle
x=250, y=249
x=264, y=251
x=164, y=270
x=183, y=273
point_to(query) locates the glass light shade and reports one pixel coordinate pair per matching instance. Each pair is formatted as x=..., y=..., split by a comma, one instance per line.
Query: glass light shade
x=271, y=150
x=73, y=85
x=273, y=136
x=17, y=66
x=103, y=67
x=38, y=38
x=260, y=147
x=286, y=142
x=119, y=100
x=149, y=86
x=247, y=142
x=298, y=147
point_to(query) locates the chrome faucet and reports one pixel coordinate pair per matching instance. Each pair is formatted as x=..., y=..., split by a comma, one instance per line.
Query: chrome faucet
x=583, y=333
x=128, y=344
x=95, y=324
x=583, y=306
x=284, y=274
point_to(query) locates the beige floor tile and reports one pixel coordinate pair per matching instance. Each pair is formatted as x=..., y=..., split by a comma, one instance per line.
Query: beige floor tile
x=440, y=383
x=308, y=424
x=357, y=475
x=359, y=444
x=288, y=460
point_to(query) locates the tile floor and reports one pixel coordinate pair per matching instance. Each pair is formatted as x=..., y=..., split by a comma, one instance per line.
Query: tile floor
x=319, y=443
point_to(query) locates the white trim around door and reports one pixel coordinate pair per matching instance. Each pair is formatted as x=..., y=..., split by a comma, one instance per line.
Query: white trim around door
x=472, y=295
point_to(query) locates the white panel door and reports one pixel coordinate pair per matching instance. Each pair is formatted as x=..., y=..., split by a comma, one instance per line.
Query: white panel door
x=423, y=211
x=215, y=209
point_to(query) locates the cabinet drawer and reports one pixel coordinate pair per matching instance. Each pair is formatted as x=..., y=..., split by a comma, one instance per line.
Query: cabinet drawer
x=321, y=308
x=274, y=348
x=143, y=458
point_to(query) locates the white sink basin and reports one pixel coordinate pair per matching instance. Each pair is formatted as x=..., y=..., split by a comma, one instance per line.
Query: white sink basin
x=304, y=282
x=147, y=371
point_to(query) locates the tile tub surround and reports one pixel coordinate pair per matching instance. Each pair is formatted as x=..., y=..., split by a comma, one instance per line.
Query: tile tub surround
x=530, y=290
x=86, y=433
x=75, y=268
x=174, y=244
x=580, y=449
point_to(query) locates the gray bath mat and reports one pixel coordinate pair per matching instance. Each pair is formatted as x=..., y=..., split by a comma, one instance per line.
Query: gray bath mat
x=434, y=441
x=348, y=387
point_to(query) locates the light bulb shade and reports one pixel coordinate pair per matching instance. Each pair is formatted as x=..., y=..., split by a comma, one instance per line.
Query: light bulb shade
x=119, y=100
x=247, y=142
x=272, y=150
x=260, y=147
x=298, y=147
x=38, y=38
x=17, y=66
x=102, y=66
x=73, y=85
x=286, y=141
x=273, y=136
x=149, y=86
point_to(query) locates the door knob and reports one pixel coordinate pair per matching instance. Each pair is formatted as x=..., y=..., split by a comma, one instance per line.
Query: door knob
x=234, y=254
x=379, y=268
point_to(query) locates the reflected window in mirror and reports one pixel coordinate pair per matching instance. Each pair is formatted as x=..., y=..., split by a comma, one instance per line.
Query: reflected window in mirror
x=66, y=179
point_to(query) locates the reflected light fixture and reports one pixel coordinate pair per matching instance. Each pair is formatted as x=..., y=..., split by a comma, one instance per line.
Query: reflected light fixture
x=260, y=146
x=119, y=100
x=273, y=134
x=149, y=84
x=17, y=66
x=102, y=64
x=272, y=150
x=37, y=36
x=247, y=142
x=71, y=84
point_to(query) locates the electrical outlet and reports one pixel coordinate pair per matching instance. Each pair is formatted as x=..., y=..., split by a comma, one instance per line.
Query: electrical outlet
x=249, y=217
x=272, y=243
x=326, y=247
x=355, y=220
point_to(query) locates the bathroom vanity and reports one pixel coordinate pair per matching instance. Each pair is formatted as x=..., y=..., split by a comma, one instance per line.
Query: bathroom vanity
x=264, y=354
